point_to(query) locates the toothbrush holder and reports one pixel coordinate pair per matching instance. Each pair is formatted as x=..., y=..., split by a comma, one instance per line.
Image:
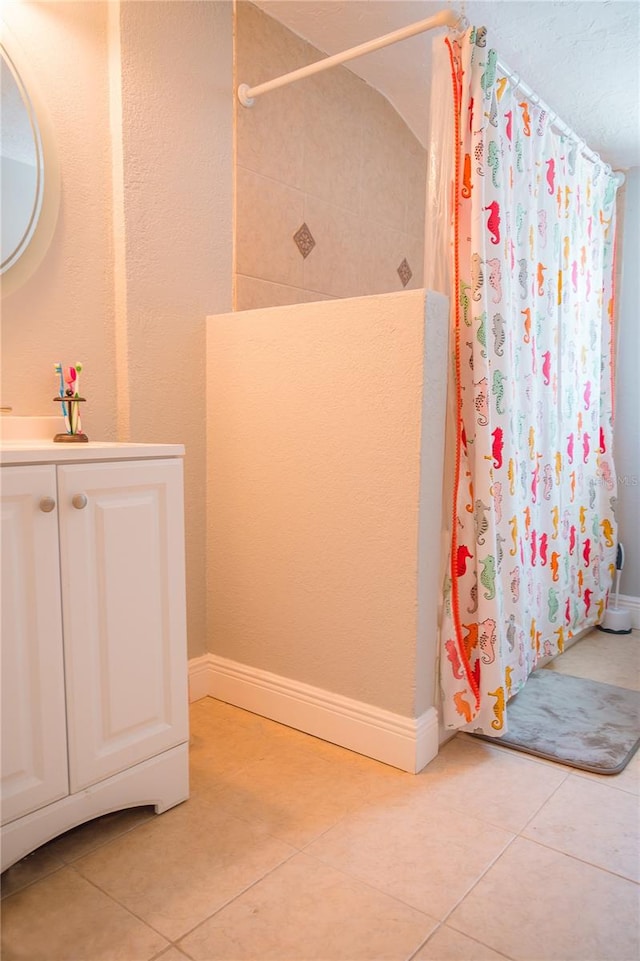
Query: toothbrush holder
x=74, y=434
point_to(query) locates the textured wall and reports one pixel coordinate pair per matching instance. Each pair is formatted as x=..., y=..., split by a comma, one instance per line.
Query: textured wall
x=627, y=425
x=553, y=44
x=318, y=562
x=64, y=311
x=176, y=136
x=141, y=108
x=329, y=152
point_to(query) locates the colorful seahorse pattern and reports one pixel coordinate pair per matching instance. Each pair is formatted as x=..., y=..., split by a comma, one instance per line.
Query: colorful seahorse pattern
x=533, y=323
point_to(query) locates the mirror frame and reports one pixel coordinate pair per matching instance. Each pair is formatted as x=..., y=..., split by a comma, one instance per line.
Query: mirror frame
x=37, y=238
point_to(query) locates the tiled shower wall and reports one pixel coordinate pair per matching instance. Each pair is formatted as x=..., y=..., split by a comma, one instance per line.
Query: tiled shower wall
x=330, y=189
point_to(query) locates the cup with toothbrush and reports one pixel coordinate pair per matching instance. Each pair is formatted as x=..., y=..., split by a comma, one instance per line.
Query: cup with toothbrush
x=70, y=399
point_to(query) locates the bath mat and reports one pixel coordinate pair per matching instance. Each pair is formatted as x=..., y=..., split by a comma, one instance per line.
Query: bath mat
x=573, y=720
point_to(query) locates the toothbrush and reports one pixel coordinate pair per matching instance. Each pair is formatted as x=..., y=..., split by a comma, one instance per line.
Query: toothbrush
x=78, y=371
x=58, y=369
x=73, y=381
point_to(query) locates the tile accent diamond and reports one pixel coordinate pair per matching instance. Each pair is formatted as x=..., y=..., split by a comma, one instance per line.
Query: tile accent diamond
x=304, y=240
x=404, y=272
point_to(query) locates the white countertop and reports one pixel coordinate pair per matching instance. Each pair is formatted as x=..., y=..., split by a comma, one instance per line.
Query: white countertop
x=48, y=452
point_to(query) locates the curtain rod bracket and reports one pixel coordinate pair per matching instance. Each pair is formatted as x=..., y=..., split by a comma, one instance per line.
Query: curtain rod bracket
x=243, y=97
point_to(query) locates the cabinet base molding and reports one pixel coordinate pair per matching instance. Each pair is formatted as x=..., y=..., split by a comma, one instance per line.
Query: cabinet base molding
x=162, y=781
x=403, y=742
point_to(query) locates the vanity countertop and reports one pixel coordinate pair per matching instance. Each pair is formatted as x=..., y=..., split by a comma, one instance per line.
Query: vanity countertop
x=14, y=452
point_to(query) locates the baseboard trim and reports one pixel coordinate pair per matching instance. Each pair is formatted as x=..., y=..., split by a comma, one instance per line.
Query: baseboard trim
x=199, y=677
x=631, y=604
x=403, y=742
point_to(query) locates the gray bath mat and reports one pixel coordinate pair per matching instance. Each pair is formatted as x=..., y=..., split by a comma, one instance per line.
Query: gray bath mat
x=583, y=723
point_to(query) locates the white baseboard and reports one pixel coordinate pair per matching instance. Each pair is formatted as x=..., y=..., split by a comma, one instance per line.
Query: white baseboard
x=631, y=604
x=199, y=677
x=403, y=742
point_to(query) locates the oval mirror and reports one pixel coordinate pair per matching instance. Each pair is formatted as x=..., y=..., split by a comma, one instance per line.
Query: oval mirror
x=22, y=166
x=29, y=178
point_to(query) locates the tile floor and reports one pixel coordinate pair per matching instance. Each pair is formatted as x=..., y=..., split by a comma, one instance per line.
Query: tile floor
x=291, y=849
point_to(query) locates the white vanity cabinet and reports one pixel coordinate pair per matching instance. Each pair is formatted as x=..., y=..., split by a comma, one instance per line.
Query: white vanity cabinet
x=34, y=729
x=94, y=664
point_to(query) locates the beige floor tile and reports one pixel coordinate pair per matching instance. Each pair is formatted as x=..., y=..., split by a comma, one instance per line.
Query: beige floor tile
x=65, y=918
x=220, y=745
x=297, y=792
x=627, y=780
x=501, y=787
x=449, y=945
x=33, y=867
x=86, y=837
x=535, y=904
x=181, y=867
x=172, y=954
x=422, y=852
x=306, y=910
x=225, y=740
x=609, y=658
x=592, y=822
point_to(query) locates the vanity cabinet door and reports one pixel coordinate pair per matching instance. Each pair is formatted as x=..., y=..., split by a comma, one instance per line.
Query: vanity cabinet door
x=123, y=593
x=34, y=736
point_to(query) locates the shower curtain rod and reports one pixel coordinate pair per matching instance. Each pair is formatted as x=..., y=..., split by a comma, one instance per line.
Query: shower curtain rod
x=446, y=18
x=555, y=121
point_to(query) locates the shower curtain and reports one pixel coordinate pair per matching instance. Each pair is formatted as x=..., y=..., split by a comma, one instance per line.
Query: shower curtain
x=533, y=534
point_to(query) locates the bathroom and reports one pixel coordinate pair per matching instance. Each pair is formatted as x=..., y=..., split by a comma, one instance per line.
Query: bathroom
x=140, y=258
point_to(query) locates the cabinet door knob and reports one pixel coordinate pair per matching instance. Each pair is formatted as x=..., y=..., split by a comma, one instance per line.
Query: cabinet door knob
x=79, y=501
x=47, y=504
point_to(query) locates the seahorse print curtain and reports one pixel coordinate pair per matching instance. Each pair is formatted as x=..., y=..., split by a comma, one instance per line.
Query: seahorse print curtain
x=533, y=532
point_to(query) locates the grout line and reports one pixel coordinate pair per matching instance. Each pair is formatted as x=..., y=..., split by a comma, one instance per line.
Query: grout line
x=426, y=941
x=235, y=897
x=29, y=884
x=124, y=907
x=442, y=924
x=372, y=887
x=546, y=801
x=604, y=778
x=504, y=850
x=64, y=863
x=574, y=857
x=172, y=944
x=277, y=283
x=101, y=844
x=478, y=879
